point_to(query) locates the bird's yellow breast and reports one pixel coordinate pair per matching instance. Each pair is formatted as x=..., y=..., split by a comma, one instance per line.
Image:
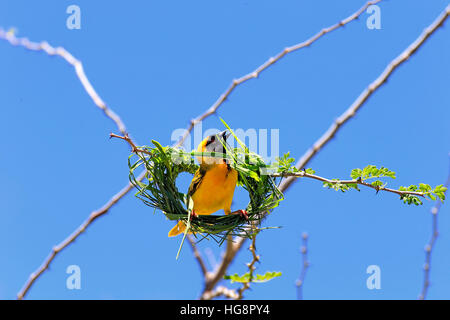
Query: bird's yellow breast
x=216, y=190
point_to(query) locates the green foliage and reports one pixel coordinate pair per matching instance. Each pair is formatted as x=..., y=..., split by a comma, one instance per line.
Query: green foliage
x=370, y=172
x=285, y=163
x=245, y=278
x=426, y=190
x=440, y=192
x=362, y=176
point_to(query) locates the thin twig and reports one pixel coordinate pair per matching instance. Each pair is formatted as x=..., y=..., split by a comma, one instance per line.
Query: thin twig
x=305, y=265
x=134, y=148
x=430, y=246
x=219, y=272
x=76, y=64
x=335, y=127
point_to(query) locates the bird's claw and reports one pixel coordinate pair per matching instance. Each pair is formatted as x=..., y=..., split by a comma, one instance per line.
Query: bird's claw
x=242, y=213
x=193, y=215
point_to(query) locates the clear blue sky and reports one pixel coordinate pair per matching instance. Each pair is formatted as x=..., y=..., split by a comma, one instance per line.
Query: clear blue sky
x=159, y=64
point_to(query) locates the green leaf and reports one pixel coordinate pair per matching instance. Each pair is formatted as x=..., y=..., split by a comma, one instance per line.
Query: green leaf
x=267, y=276
x=356, y=173
x=424, y=187
x=377, y=183
x=245, y=278
x=285, y=163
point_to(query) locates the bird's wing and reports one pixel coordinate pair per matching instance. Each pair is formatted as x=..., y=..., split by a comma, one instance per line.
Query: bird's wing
x=196, y=181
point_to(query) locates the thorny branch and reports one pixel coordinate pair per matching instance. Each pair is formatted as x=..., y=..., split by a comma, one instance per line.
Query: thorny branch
x=134, y=148
x=251, y=269
x=353, y=181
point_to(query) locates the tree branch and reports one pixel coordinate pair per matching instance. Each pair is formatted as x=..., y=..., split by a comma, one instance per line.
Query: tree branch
x=134, y=148
x=197, y=256
x=301, y=280
x=430, y=246
x=354, y=181
x=76, y=64
x=251, y=269
x=221, y=291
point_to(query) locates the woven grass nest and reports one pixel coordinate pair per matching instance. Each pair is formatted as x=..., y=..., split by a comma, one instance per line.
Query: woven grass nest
x=158, y=189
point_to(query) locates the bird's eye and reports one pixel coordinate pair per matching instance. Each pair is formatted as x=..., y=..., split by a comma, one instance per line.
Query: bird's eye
x=211, y=140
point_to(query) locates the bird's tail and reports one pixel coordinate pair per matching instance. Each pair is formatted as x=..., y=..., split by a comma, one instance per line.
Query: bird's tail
x=178, y=229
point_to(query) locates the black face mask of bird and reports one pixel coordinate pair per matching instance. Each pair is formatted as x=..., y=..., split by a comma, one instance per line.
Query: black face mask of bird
x=213, y=143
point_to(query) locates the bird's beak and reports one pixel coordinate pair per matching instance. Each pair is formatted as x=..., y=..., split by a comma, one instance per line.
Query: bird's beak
x=224, y=134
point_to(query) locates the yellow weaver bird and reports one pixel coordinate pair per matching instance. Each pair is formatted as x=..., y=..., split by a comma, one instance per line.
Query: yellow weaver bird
x=212, y=187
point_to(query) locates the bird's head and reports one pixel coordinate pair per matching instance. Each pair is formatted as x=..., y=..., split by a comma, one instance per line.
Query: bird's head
x=213, y=143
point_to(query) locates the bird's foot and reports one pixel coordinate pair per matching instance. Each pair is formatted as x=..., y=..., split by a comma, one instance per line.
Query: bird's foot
x=242, y=213
x=193, y=215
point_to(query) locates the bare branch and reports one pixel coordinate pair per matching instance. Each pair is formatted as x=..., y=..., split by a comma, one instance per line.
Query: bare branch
x=232, y=249
x=76, y=64
x=430, y=246
x=134, y=148
x=301, y=280
x=251, y=269
x=221, y=291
